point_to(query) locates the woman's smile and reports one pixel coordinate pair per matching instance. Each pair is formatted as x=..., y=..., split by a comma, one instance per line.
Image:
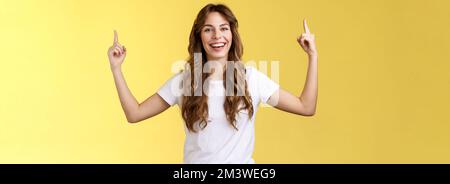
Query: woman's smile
x=218, y=46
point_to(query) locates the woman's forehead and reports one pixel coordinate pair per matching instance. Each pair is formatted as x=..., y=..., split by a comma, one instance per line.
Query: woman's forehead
x=215, y=19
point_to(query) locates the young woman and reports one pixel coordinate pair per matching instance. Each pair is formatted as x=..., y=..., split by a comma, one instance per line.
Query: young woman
x=219, y=127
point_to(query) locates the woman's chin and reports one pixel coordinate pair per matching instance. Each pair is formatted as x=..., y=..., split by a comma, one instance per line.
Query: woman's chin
x=217, y=56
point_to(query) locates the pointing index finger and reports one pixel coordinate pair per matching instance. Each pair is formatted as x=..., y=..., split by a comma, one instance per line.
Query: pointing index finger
x=305, y=26
x=116, y=39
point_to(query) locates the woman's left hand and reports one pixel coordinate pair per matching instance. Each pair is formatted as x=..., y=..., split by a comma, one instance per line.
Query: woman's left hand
x=307, y=41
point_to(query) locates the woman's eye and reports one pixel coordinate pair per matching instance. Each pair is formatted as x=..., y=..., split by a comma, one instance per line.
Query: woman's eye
x=225, y=29
x=207, y=30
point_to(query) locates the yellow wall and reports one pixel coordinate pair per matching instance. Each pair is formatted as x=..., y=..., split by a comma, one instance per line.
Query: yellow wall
x=384, y=79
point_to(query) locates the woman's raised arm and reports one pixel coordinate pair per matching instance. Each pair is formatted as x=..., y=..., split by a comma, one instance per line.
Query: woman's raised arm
x=134, y=111
x=305, y=104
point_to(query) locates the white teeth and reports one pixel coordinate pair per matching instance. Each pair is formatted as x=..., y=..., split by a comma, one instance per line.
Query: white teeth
x=218, y=45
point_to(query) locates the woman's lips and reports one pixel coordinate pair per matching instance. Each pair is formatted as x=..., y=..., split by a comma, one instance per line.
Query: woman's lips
x=218, y=46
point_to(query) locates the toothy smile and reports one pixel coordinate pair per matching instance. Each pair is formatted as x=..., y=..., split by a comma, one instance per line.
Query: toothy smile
x=217, y=45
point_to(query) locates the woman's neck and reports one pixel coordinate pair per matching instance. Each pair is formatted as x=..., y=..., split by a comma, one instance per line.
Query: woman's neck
x=222, y=60
x=219, y=68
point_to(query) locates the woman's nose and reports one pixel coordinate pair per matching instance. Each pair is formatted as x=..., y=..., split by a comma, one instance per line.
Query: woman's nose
x=217, y=35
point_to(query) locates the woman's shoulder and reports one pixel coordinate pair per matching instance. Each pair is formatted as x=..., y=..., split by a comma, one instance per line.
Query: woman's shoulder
x=250, y=71
x=253, y=73
x=177, y=76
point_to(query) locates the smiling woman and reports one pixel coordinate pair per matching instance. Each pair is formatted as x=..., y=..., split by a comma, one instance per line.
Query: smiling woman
x=214, y=35
x=219, y=127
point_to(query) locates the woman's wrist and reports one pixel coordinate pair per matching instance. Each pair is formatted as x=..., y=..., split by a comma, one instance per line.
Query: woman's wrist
x=116, y=68
x=312, y=56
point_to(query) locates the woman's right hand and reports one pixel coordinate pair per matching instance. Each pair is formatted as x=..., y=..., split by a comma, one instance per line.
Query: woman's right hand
x=116, y=53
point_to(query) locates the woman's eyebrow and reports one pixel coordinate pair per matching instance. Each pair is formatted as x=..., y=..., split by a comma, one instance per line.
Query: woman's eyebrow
x=213, y=26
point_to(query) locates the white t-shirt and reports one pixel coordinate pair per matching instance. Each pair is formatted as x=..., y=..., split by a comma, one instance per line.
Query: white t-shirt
x=219, y=142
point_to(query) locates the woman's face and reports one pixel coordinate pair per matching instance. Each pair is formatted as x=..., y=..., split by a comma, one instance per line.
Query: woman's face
x=216, y=37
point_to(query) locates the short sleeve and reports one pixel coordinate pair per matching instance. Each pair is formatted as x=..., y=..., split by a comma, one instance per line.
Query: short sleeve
x=266, y=86
x=170, y=91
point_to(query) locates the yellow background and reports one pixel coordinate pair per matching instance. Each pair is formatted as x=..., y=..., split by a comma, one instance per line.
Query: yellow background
x=384, y=79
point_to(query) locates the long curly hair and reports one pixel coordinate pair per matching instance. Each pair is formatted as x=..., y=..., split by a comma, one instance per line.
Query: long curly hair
x=195, y=107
